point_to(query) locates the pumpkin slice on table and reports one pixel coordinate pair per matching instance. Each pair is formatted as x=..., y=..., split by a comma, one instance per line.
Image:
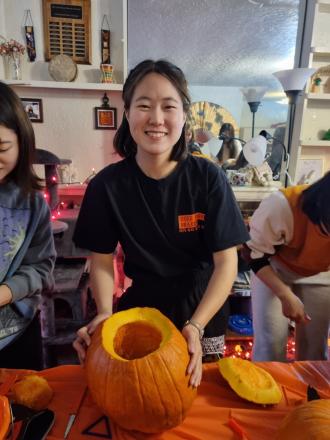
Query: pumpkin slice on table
x=136, y=370
x=5, y=417
x=249, y=381
x=310, y=421
x=32, y=391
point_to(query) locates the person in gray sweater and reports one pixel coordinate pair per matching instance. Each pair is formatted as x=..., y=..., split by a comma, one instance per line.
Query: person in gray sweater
x=27, y=252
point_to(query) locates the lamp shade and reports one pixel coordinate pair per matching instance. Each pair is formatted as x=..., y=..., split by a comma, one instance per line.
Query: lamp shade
x=294, y=79
x=253, y=94
x=254, y=150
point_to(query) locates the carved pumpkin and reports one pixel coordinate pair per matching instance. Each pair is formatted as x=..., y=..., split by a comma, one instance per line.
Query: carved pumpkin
x=249, y=381
x=5, y=416
x=136, y=370
x=308, y=421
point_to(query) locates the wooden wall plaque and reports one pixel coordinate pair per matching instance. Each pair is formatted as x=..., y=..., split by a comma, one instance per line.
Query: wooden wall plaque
x=67, y=29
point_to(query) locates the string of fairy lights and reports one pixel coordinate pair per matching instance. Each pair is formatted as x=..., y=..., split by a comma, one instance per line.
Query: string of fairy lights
x=242, y=348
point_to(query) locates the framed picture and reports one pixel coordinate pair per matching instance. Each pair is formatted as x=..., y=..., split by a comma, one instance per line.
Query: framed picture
x=105, y=118
x=33, y=108
x=309, y=169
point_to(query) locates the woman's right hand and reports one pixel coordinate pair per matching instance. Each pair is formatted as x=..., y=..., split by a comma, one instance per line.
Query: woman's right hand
x=293, y=309
x=83, y=339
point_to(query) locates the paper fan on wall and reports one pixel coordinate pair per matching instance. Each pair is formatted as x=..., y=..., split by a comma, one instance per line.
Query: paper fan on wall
x=206, y=119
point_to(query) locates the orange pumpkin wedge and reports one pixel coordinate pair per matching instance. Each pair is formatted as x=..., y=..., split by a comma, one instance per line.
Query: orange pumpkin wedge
x=5, y=417
x=249, y=381
x=136, y=370
x=32, y=391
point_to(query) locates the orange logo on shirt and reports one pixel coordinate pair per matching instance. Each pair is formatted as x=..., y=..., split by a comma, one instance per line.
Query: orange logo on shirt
x=191, y=222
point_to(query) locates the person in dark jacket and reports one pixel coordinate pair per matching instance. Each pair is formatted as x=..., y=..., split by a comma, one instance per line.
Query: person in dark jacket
x=27, y=252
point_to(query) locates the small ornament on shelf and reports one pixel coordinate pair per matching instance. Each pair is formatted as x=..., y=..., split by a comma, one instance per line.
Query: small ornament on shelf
x=107, y=73
x=316, y=85
x=106, y=66
x=322, y=75
x=326, y=136
x=105, y=41
x=105, y=101
x=29, y=36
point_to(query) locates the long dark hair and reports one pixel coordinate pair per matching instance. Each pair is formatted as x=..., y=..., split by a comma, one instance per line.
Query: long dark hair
x=123, y=142
x=231, y=144
x=14, y=117
x=315, y=203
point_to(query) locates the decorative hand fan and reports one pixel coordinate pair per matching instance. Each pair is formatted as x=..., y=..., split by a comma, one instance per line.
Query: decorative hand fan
x=208, y=117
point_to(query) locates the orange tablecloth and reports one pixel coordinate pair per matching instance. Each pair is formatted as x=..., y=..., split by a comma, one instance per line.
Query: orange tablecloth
x=209, y=415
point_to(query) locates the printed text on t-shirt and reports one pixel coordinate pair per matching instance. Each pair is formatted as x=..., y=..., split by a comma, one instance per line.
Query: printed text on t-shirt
x=191, y=222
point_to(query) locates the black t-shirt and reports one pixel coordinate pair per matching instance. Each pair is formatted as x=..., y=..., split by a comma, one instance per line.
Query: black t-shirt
x=168, y=227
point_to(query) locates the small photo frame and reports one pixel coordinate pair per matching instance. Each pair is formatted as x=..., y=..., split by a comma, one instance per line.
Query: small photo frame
x=33, y=108
x=105, y=118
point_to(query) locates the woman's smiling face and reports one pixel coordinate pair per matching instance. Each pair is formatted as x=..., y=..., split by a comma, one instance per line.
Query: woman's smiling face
x=155, y=116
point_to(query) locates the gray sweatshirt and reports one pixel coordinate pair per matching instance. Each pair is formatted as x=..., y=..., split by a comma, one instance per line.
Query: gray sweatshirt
x=27, y=257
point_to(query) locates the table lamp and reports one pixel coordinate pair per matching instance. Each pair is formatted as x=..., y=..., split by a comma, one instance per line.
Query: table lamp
x=253, y=96
x=254, y=150
x=293, y=82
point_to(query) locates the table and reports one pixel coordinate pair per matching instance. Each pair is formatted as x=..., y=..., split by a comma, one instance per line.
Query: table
x=254, y=193
x=71, y=193
x=211, y=410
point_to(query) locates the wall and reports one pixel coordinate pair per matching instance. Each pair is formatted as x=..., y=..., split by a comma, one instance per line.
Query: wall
x=68, y=127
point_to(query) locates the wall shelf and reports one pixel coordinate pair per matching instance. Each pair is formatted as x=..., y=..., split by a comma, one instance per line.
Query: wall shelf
x=316, y=143
x=319, y=50
x=318, y=96
x=65, y=85
x=254, y=193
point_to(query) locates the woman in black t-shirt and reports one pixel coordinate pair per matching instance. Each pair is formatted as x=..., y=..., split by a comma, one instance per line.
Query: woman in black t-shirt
x=174, y=214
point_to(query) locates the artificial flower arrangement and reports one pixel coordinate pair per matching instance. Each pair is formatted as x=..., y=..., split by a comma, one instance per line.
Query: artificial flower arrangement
x=12, y=51
x=11, y=47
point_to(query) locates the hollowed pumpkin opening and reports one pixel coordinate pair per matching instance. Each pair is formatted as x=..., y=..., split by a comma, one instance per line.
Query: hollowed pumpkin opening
x=136, y=340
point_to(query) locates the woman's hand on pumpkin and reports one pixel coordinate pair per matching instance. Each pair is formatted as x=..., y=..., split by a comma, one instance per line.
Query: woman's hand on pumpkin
x=83, y=340
x=191, y=334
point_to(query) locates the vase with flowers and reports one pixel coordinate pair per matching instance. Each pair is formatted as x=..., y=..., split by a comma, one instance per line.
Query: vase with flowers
x=12, y=51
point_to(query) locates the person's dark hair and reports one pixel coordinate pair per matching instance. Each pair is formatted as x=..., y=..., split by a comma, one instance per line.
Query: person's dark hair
x=315, y=203
x=123, y=142
x=230, y=144
x=14, y=117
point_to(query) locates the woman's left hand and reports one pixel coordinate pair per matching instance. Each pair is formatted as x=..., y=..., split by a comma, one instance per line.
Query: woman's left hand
x=191, y=335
